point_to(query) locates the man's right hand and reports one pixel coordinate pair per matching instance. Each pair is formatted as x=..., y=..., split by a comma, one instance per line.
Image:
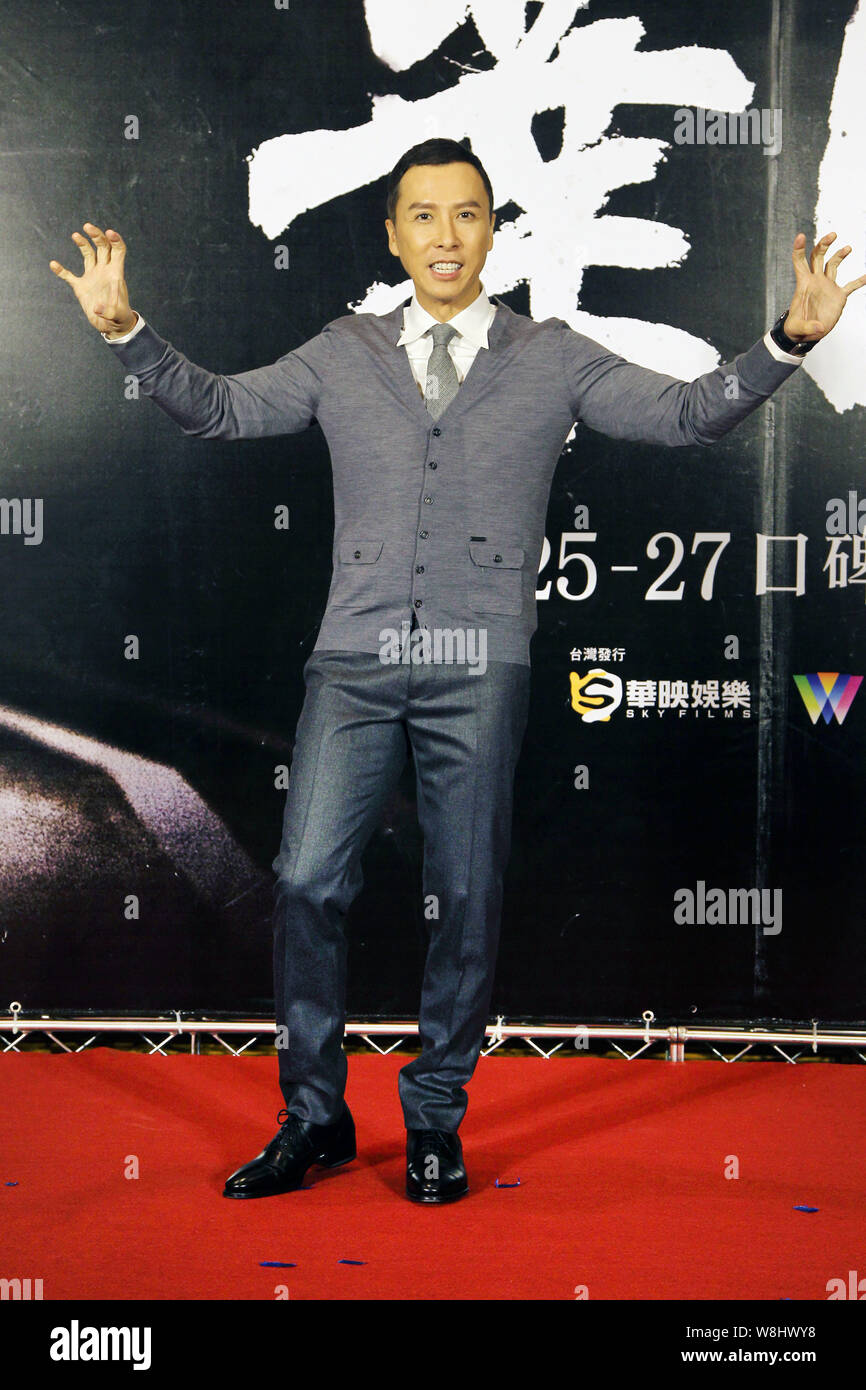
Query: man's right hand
x=101, y=289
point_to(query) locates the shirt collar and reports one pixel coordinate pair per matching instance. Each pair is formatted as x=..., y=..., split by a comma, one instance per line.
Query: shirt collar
x=471, y=323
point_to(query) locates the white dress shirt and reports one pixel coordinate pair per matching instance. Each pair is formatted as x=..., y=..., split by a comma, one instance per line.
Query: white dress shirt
x=472, y=325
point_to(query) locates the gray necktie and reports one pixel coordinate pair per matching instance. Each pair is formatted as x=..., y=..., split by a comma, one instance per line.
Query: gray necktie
x=442, y=384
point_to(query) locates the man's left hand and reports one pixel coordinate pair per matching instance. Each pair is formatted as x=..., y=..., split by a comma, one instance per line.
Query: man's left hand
x=818, y=301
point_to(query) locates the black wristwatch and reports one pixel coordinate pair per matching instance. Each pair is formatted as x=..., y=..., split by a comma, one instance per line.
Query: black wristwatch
x=781, y=339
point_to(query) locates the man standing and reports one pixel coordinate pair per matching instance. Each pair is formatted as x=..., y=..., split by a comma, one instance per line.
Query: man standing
x=445, y=420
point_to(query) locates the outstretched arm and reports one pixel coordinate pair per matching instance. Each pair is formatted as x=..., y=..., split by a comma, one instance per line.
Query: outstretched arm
x=626, y=401
x=281, y=398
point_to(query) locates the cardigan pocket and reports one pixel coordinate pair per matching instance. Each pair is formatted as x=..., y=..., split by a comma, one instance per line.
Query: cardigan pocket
x=355, y=576
x=496, y=577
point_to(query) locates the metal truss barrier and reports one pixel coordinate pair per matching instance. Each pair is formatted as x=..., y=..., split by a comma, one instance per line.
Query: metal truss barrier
x=15, y=1028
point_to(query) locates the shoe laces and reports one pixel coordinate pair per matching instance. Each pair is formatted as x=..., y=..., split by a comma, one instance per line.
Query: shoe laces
x=288, y=1122
x=434, y=1141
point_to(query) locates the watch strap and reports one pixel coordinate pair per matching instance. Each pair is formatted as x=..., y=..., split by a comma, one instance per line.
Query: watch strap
x=791, y=345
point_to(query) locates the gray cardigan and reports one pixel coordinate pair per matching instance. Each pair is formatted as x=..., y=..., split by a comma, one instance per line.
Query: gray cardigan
x=446, y=519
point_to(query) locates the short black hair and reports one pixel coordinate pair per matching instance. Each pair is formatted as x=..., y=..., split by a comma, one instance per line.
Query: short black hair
x=434, y=151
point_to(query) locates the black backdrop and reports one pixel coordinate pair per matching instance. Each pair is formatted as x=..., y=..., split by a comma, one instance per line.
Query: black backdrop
x=155, y=777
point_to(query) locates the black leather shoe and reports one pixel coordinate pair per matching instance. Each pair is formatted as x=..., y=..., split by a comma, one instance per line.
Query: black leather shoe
x=434, y=1166
x=282, y=1166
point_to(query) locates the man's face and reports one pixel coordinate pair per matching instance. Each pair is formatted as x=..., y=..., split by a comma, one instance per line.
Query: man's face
x=442, y=218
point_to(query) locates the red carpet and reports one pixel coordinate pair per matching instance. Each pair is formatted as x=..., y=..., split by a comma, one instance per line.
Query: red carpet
x=621, y=1168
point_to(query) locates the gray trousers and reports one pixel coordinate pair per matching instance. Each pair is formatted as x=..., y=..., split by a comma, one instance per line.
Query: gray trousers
x=358, y=720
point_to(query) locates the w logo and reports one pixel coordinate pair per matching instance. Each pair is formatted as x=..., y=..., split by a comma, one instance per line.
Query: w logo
x=827, y=693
